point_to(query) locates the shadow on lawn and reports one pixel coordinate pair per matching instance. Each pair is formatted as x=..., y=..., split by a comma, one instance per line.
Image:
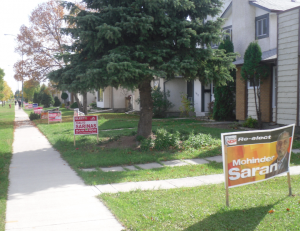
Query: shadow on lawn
x=239, y=219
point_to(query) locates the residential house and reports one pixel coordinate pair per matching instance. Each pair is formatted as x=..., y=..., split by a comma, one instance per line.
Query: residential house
x=274, y=24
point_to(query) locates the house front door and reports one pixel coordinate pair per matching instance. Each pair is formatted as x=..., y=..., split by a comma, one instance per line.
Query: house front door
x=100, y=101
x=206, y=97
x=190, y=92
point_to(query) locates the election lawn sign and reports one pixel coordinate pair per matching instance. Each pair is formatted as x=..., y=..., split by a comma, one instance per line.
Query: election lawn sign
x=28, y=106
x=37, y=110
x=35, y=105
x=54, y=116
x=44, y=115
x=253, y=156
x=76, y=111
x=85, y=125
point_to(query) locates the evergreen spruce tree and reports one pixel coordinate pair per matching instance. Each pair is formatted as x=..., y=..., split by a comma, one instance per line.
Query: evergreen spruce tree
x=128, y=42
x=225, y=95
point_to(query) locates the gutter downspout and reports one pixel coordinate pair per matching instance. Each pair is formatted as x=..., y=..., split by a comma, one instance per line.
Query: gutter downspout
x=165, y=85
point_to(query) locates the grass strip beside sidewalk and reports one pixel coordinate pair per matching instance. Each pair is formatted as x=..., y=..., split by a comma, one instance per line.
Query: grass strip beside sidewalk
x=7, y=116
x=262, y=206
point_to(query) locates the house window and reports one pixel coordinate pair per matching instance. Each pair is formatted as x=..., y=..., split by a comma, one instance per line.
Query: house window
x=228, y=31
x=262, y=26
x=100, y=95
x=250, y=83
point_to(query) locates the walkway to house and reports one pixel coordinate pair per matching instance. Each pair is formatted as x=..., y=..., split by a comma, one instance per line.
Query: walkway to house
x=173, y=183
x=45, y=193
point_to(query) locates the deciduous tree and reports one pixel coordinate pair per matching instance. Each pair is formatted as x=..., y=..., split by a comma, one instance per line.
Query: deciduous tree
x=40, y=42
x=255, y=72
x=30, y=86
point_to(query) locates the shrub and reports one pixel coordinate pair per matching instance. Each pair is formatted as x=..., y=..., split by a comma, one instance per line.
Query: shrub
x=140, y=138
x=186, y=106
x=56, y=101
x=146, y=144
x=74, y=105
x=199, y=140
x=93, y=104
x=250, y=122
x=235, y=125
x=165, y=139
x=34, y=116
x=47, y=99
x=225, y=95
x=64, y=95
x=161, y=104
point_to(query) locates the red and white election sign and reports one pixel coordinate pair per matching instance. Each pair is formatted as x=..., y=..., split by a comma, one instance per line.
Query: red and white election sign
x=85, y=125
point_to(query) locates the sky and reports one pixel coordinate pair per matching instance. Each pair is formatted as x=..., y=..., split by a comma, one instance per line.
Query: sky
x=14, y=13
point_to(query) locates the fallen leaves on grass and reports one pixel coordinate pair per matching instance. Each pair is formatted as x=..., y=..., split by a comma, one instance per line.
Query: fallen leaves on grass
x=271, y=211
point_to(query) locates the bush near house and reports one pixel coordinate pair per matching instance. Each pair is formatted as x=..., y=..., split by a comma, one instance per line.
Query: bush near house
x=56, y=101
x=224, y=104
x=161, y=104
x=64, y=96
x=47, y=100
x=74, y=105
x=34, y=116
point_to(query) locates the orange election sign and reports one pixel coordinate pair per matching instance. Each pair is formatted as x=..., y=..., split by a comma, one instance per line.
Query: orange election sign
x=44, y=115
x=253, y=156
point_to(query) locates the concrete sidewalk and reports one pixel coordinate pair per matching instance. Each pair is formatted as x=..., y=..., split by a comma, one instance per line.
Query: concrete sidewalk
x=173, y=183
x=45, y=194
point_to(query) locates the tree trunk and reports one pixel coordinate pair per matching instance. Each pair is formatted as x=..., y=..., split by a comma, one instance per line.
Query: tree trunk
x=78, y=103
x=257, y=104
x=84, y=103
x=146, y=103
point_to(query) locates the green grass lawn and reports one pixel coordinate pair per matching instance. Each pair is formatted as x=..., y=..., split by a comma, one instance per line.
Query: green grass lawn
x=7, y=116
x=203, y=208
x=88, y=154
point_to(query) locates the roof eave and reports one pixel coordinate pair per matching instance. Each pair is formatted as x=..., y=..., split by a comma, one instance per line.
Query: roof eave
x=259, y=6
x=227, y=9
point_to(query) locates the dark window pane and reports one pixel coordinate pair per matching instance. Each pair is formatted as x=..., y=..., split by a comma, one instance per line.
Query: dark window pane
x=265, y=26
x=259, y=28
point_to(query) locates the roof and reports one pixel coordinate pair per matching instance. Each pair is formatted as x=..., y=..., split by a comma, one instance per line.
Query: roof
x=275, y=5
x=227, y=9
x=266, y=56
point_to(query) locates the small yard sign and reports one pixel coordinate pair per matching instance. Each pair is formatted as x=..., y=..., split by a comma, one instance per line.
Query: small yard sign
x=85, y=125
x=38, y=110
x=44, y=115
x=28, y=106
x=253, y=156
x=76, y=111
x=54, y=116
x=35, y=105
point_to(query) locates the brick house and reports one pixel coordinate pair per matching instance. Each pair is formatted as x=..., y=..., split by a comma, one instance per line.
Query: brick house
x=275, y=26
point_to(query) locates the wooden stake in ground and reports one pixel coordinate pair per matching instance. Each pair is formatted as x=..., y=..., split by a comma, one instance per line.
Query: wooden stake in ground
x=289, y=183
x=226, y=176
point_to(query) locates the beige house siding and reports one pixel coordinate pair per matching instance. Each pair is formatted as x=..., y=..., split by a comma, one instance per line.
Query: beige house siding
x=287, y=66
x=176, y=87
